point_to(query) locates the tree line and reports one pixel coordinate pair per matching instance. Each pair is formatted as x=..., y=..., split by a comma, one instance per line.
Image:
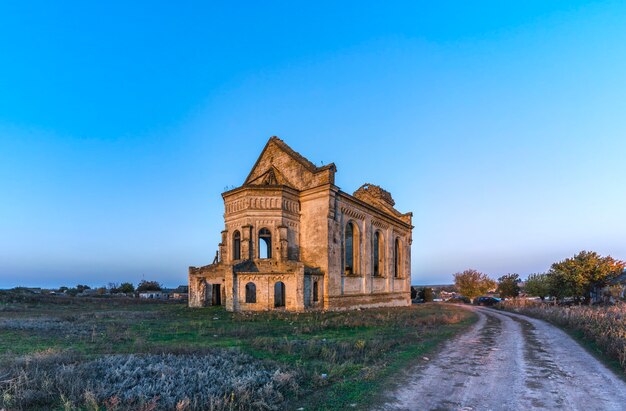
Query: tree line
x=114, y=288
x=576, y=278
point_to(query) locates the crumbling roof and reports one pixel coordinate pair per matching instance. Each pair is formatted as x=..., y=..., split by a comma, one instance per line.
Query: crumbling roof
x=371, y=190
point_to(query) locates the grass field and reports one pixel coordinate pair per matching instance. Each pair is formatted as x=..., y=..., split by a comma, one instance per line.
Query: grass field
x=113, y=354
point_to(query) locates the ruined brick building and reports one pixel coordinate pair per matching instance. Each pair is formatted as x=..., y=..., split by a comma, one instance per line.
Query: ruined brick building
x=293, y=240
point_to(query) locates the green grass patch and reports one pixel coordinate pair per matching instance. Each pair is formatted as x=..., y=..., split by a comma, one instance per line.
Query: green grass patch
x=341, y=358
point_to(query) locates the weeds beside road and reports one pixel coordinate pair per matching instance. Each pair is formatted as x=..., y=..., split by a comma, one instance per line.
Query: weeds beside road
x=603, y=326
x=160, y=356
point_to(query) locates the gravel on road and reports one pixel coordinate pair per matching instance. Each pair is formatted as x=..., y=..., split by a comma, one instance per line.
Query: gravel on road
x=509, y=362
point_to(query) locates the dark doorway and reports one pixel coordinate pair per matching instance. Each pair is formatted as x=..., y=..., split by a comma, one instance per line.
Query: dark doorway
x=217, y=294
x=279, y=294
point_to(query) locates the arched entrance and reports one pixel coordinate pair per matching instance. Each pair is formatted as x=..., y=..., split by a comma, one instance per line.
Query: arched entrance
x=279, y=294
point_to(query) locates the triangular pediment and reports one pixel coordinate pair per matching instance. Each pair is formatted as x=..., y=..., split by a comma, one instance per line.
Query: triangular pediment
x=279, y=164
x=271, y=177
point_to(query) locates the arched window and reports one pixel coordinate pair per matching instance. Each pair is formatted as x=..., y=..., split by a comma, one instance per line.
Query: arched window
x=378, y=254
x=279, y=294
x=237, y=245
x=351, y=248
x=316, y=292
x=250, y=293
x=265, y=243
x=397, y=257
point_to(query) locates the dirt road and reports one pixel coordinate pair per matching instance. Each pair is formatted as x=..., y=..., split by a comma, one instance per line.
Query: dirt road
x=510, y=362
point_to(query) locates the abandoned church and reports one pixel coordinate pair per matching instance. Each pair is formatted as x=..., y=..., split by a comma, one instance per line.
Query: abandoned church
x=293, y=240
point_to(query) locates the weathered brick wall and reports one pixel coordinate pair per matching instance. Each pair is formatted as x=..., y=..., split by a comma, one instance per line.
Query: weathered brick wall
x=362, y=283
x=349, y=302
x=314, y=245
x=200, y=281
x=265, y=287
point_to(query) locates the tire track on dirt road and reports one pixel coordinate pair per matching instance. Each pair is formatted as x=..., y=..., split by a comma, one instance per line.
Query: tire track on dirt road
x=508, y=361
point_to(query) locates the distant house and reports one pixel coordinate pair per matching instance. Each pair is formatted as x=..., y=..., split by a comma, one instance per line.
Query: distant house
x=88, y=293
x=446, y=295
x=180, y=293
x=154, y=295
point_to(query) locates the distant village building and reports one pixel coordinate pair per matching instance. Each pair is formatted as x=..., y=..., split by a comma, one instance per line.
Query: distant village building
x=293, y=240
x=179, y=293
x=154, y=295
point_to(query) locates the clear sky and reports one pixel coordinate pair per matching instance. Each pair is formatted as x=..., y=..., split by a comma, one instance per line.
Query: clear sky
x=501, y=125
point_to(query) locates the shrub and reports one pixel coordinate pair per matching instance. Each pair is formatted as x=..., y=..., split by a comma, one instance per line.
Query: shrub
x=145, y=285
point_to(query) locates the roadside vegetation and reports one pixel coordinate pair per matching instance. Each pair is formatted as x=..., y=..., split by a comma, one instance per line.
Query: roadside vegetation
x=67, y=353
x=578, y=279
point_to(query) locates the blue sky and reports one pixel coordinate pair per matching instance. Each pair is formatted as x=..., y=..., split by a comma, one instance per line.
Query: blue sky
x=500, y=125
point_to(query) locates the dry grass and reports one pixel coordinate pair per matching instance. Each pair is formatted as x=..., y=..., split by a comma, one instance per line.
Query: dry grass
x=604, y=325
x=219, y=380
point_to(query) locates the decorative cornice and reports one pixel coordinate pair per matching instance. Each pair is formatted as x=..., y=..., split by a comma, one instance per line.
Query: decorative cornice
x=380, y=224
x=262, y=203
x=352, y=213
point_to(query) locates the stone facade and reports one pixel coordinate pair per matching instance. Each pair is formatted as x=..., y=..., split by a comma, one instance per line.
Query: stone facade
x=293, y=240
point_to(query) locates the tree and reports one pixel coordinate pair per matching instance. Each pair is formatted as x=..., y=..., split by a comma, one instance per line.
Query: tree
x=578, y=276
x=77, y=290
x=538, y=285
x=472, y=283
x=508, y=285
x=148, y=286
x=426, y=294
x=126, y=288
x=71, y=291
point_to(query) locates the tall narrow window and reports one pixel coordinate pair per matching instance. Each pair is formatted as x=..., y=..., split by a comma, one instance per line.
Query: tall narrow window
x=316, y=292
x=250, y=293
x=378, y=254
x=265, y=243
x=397, y=256
x=237, y=245
x=349, y=249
